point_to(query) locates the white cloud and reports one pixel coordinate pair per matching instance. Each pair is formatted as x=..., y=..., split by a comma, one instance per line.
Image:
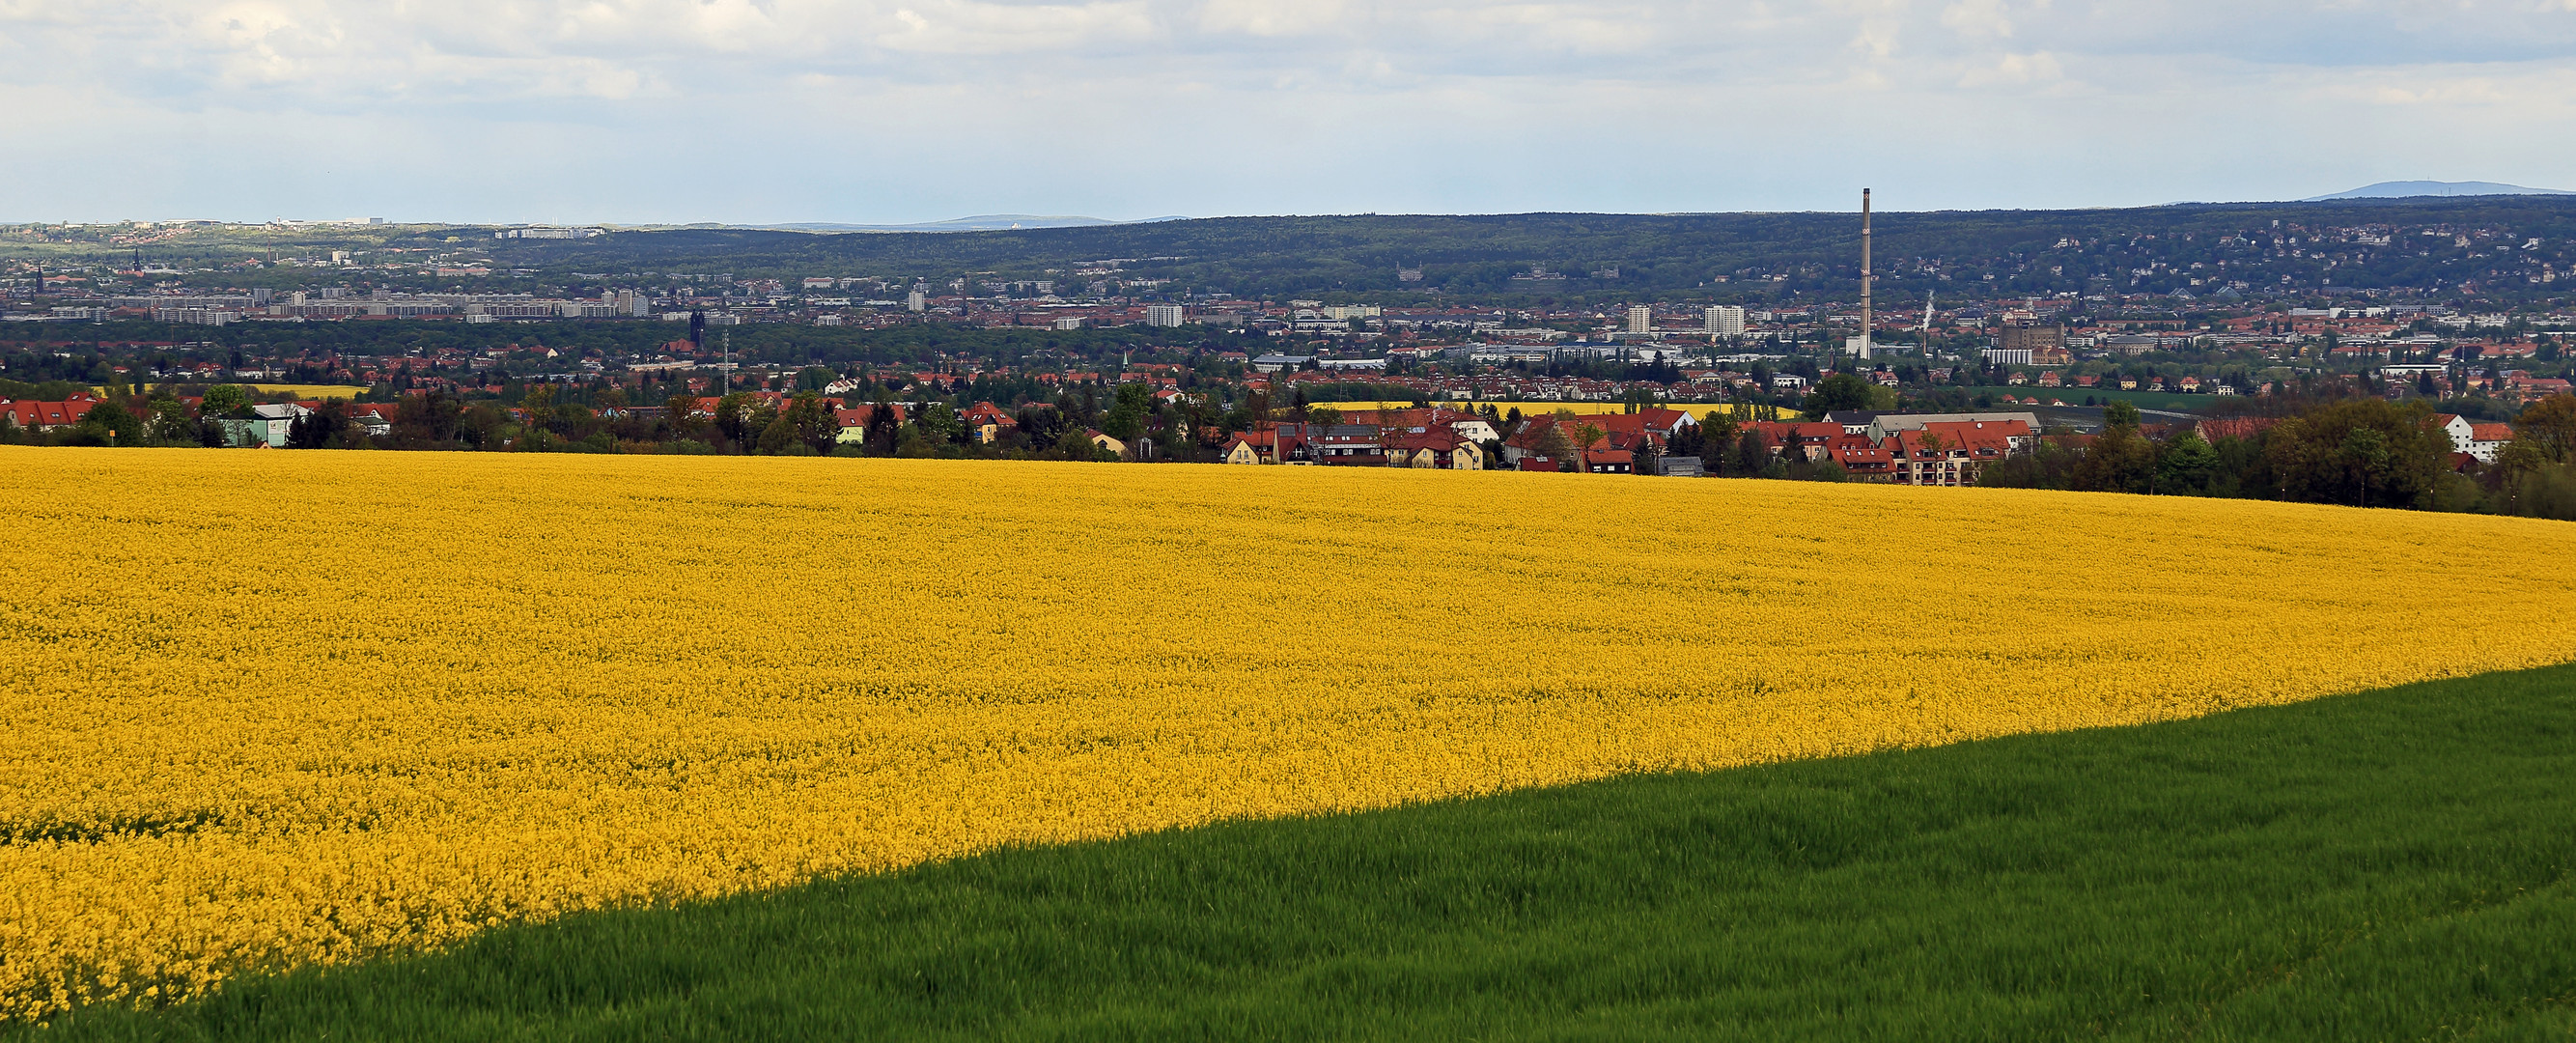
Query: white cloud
x=2016, y=69
x=636, y=108
x=1978, y=18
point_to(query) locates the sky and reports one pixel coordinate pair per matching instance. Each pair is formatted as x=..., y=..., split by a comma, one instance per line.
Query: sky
x=757, y=111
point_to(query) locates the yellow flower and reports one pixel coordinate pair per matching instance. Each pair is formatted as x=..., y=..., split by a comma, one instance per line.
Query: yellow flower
x=265, y=709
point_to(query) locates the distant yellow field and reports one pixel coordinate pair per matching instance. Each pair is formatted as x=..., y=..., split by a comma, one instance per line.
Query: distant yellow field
x=347, y=391
x=312, y=390
x=267, y=709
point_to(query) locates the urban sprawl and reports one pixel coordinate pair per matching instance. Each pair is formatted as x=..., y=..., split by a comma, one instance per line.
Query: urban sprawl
x=1093, y=364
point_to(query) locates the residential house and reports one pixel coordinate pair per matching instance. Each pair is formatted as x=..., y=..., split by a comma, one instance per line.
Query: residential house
x=2487, y=440
x=2457, y=427
x=267, y=427
x=1440, y=448
x=1953, y=452
x=1853, y=421
x=375, y=418
x=986, y=422
x=1609, y=461
x=1811, y=440
x=1271, y=444
x=1350, y=445
x=854, y=420
x=46, y=416
x=2027, y=424
x=1862, y=457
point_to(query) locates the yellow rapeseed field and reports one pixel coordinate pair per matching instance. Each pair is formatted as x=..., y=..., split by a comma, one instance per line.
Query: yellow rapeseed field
x=347, y=391
x=260, y=709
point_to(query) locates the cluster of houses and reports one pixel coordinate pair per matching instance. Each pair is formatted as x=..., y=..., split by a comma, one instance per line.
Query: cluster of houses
x=1434, y=438
x=1903, y=448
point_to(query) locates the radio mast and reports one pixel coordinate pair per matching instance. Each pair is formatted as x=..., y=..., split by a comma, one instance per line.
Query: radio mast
x=1864, y=274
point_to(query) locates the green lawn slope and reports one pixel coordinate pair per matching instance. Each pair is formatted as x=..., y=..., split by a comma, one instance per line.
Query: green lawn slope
x=2387, y=866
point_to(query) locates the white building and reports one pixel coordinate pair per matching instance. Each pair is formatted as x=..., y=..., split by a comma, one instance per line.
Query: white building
x=1641, y=319
x=1725, y=320
x=1165, y=314
x=2482, y=441
x=917, y=301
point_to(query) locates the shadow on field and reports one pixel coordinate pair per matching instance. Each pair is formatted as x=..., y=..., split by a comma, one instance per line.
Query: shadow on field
x=2390, y=865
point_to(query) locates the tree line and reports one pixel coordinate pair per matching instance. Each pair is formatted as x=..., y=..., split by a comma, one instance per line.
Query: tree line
x=2350, y=450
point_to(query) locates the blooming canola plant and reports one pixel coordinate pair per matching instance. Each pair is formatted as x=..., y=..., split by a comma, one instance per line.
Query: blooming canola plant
x=268, y=709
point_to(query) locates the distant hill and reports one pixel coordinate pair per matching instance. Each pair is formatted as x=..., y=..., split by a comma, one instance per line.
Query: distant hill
x=1626, y=257
x=978, y=223
x=2410, y=189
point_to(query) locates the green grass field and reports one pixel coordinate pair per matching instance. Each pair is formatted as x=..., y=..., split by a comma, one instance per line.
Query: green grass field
x=2393, y=865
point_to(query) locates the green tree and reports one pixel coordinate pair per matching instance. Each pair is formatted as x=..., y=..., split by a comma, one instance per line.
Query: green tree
x=742, y=416
x=810, y=423
x=318, y=429
x=777, y=437
x=1752, y=455
x=1126, y=420
x=429, y=419
x=225, y=402
x=1842, y=391
x=1552, y=444
x=1718, y=434
x=884, y=428
x=107, y=423
x=2550, y=426
x=538, y=407
x=2364, y=452
x=939, y=423
x=171, y=425
x=1587, y=436
x=680, y=415
x=2186, y=466
x=2120, y=460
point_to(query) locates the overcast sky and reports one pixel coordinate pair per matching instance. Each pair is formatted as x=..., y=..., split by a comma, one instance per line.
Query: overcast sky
x=905, y=110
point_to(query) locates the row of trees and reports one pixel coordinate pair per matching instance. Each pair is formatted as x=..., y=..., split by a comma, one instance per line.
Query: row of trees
x=2361, y=452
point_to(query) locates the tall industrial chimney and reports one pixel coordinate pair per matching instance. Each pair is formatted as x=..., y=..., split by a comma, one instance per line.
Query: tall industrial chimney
x=1864, y=274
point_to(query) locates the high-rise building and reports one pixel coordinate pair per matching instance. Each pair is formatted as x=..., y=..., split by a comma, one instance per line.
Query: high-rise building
x=918, y=301
x=1641, y=319
x=1725, y=320
x=1165, y=314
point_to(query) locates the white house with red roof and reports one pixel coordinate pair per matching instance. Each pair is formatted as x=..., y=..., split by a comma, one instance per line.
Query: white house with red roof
x=2482, y=441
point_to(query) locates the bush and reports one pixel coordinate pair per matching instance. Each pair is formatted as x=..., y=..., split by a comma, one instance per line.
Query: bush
x=2549, y=492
